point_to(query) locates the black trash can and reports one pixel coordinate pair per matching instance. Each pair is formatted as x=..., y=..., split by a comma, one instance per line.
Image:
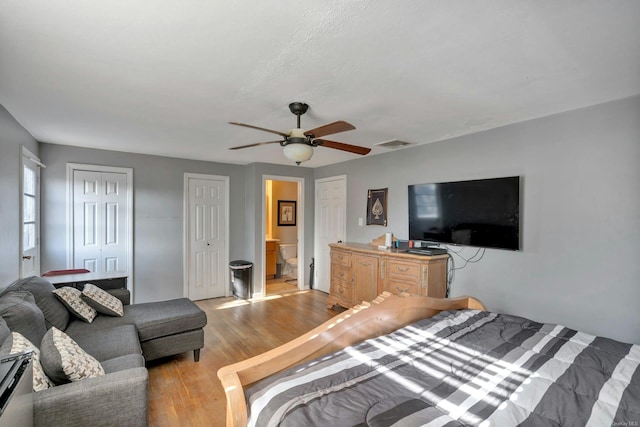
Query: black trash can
x=241, y=278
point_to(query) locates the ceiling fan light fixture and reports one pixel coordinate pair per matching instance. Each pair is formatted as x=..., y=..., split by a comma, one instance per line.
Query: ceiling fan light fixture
x=298, y=143
x=298, y=152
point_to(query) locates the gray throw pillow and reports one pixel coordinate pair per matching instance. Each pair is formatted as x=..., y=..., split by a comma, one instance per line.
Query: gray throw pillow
x=55, y=313
x=64, y=361
x=21, y=314
x=4, y=330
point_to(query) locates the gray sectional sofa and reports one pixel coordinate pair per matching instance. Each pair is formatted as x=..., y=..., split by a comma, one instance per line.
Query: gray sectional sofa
x=121, y=345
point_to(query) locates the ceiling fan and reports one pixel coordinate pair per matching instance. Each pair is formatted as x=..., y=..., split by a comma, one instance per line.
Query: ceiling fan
x=298, y=143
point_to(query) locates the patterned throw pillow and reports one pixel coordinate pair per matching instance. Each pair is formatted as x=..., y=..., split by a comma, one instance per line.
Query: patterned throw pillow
x=17, y=343
x=63, y=360
x=102, y=301
x=71, y=298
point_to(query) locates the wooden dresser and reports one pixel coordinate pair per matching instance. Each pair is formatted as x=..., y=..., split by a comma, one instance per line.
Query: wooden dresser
x=360, y=272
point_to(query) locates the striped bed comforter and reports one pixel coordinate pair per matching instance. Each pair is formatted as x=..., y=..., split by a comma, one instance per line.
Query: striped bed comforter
x=460, y=368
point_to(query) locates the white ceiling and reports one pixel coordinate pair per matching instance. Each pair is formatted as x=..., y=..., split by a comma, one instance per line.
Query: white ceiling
x=165, y=77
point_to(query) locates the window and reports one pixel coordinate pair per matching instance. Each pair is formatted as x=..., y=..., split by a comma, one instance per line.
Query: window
x=30, y=214
x=29, y=204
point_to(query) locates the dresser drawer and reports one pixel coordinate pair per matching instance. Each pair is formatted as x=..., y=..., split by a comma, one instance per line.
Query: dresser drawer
x=341, y=273
x=399, y=286
x=403, y=270
x=340, y=258
x=343, y=293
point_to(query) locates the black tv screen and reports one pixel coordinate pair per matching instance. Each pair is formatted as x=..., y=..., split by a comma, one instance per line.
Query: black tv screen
x=483, y=213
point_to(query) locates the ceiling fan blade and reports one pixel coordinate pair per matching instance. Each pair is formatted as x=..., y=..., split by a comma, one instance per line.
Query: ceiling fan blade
x=329, y=129
x=259, y=128
x=253, y=145
x=342, y=146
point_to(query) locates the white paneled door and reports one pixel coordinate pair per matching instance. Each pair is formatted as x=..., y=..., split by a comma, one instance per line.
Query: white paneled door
x=100, y=221
x=206, y=240
x=330, y=225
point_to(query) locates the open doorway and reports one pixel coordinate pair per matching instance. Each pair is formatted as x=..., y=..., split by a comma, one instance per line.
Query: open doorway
x=284, y=271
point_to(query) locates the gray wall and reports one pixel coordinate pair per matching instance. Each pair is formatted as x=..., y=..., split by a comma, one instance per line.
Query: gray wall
x=12, y=137
x=579, y=264
x=158, y=213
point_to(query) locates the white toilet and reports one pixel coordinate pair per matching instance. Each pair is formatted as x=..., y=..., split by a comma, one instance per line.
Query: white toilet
x=289, y=254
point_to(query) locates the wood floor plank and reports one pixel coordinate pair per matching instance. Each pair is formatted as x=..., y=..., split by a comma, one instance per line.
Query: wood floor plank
x=185, y=393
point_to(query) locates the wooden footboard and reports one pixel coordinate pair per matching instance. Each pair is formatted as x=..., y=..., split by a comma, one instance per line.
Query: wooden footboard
x=383, y=315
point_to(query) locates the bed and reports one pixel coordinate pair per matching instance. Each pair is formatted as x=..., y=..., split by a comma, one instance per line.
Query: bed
x=414, y=360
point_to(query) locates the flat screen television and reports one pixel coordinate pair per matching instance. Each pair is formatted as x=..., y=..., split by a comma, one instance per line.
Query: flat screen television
x=483, y=213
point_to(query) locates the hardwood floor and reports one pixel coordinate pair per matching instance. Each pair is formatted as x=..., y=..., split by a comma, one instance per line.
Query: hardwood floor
x=281, y=285
x=185, y=393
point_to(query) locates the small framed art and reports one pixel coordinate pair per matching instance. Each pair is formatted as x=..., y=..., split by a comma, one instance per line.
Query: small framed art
x=377, y=207
x=286, y=213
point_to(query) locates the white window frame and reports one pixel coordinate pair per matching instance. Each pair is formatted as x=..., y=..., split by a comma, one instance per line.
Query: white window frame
x=28, y=156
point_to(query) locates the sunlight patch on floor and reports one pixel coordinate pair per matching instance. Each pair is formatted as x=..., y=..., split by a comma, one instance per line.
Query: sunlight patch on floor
x=241, y=302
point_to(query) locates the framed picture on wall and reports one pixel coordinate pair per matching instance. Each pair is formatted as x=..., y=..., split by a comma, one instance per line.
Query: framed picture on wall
x=286, y=213
x=377, y=207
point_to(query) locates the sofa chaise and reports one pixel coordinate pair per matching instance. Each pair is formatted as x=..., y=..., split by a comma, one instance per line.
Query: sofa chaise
x=119, y=344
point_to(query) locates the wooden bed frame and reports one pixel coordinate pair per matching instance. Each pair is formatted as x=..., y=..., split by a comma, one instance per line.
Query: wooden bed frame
x=383, y=315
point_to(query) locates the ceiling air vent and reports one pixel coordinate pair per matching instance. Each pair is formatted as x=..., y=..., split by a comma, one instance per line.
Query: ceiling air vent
x=394, y=143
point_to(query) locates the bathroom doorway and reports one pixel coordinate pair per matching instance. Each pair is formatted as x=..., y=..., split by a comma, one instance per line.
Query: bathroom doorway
x=283, y=235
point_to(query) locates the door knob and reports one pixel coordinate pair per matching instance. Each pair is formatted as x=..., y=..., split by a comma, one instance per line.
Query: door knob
x=27, y=257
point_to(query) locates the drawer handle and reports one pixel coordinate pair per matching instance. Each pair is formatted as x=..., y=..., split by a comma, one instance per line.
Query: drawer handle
x=340, y=291
x=405, y=290
x=341, y=274
x=403, y=269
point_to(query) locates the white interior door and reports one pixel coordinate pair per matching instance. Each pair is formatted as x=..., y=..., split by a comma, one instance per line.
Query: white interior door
x=206, y=237
x=330, y=225
x=30, y=215
x=100, y=221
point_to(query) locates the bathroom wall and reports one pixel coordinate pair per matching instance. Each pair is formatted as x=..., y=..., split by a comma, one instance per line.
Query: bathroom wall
x=283, y=190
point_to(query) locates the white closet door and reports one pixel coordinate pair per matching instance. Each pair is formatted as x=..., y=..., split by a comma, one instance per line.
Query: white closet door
x=100, y=221
x=330, y=225
x=207, y=238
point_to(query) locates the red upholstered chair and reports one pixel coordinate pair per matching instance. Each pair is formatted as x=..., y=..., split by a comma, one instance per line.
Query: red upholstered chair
x=61, y=272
